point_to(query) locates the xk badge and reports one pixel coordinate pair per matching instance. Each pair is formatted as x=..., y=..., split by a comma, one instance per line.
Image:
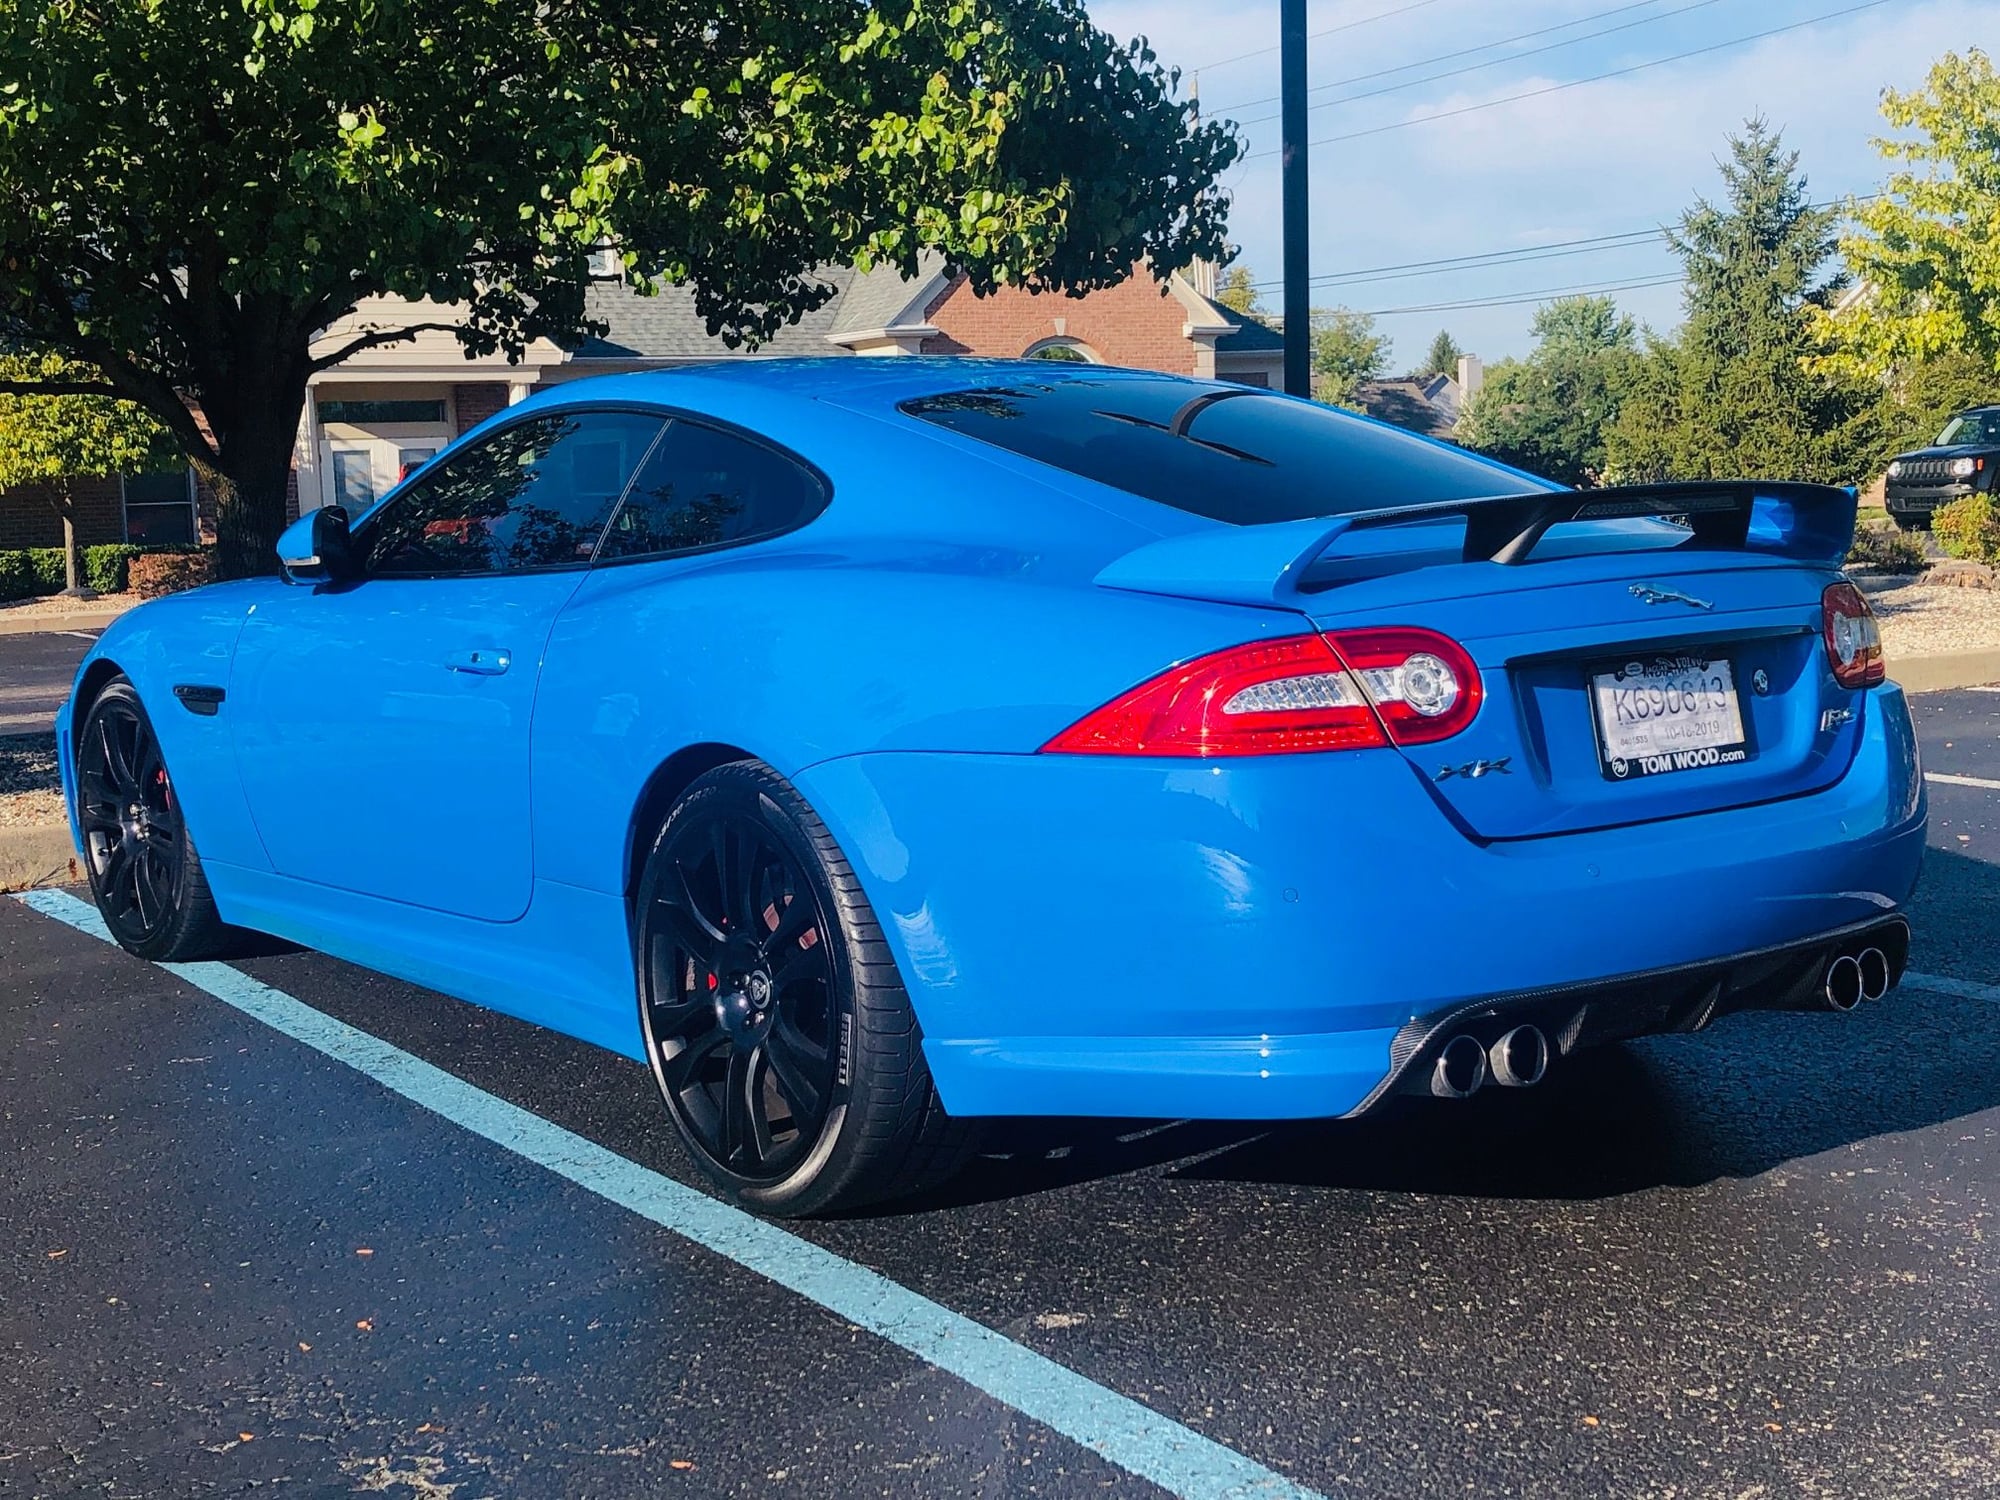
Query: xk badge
x=1472, y=770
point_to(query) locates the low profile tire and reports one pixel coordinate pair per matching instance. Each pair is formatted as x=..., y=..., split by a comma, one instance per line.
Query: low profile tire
x=144, y=873
x=775, y=1022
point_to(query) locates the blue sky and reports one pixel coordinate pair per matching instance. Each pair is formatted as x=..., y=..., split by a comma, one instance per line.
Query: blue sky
x=1601, y=158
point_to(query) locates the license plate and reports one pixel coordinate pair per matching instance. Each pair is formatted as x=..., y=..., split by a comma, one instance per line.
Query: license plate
x=1666, y=713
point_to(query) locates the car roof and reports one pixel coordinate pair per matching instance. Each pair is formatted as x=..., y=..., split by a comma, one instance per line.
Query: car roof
x=866, y=384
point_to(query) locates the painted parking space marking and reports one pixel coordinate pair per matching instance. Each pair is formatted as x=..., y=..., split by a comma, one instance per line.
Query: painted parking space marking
x=1126, y=1432
x=1937, y=984
x=1945, y=779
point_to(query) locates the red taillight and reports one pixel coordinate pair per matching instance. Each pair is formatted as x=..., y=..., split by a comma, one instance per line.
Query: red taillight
x=1853, y=639
x=1300, y=693
x=1423, y=684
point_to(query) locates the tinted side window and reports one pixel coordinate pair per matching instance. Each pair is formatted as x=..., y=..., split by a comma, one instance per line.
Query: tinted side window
x=702, y=487
x=533, y=495
x=1226, y=452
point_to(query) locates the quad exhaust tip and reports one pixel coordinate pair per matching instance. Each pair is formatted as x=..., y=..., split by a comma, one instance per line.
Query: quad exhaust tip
x=1520, y=1058
x=1854, y=977
x=1460, y=1068
x=1874, y=973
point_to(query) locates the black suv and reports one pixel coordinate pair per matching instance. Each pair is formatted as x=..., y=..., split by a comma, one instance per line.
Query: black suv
x=1964, y=459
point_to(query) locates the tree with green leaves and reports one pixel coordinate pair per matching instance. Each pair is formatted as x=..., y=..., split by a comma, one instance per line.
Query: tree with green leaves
x=1441, y=358
x=1346, y=350
x=1927, y=248
x=1238, y=292
x=53, y=441
x=192, y=190
x=1732, y=393
x=1551, y=412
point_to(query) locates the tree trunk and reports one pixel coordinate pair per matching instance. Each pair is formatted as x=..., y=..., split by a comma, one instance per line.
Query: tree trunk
x=249, y=480
x=65, y=504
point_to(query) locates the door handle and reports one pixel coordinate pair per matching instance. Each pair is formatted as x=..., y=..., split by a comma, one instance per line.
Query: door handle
x=482, y=661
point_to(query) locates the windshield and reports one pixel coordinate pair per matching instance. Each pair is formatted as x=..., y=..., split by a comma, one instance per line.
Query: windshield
x=1971, y=427
x=1231, y=453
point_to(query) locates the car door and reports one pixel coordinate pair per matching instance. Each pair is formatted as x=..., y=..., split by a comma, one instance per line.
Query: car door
x=382, y=725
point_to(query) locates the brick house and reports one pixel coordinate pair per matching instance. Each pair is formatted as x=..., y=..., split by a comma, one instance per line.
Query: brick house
x=369, y=417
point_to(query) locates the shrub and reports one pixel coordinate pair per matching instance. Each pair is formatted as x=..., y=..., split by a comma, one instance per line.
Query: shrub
x=1969, y=528
x=33, y=572
x=1891, y=551
x=152, y=574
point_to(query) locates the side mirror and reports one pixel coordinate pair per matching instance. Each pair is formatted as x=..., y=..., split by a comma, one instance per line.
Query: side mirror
x=317, y=549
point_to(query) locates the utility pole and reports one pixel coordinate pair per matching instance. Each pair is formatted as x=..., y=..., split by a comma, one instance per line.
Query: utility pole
x=1298, y=258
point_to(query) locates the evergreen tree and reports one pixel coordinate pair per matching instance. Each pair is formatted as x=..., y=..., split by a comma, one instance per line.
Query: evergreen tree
x=1731, y=395
x=1441, y=358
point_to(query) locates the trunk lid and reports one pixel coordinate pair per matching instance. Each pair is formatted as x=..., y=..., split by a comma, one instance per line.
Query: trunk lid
x=1540, y=757
x=1618, y=632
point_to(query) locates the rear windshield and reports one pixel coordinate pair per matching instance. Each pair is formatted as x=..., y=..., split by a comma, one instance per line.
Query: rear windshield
x=1231, y=453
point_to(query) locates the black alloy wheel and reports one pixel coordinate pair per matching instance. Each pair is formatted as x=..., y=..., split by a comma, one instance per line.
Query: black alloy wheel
x=144, y=873
x=742, y=1013
x=774, y=1018
x=131, y=825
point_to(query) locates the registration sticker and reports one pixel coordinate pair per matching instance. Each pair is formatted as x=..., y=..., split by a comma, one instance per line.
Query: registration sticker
x=1666, y=713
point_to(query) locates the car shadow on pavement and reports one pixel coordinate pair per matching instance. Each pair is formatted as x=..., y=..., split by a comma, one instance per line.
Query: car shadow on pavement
x=1754, y=1092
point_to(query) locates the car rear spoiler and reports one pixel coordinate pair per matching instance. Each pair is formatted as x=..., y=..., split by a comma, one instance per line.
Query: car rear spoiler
x=1270, y=564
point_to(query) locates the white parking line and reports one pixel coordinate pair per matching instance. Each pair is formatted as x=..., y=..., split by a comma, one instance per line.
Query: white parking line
x=1137, y=1439
x=1982, y=782
x=1937, y=984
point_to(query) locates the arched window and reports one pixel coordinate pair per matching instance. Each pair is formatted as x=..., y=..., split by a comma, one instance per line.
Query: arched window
x=1066, y=350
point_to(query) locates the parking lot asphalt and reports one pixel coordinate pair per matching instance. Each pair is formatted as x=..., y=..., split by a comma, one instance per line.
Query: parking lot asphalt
x=35, y=672
x=1757, y=1261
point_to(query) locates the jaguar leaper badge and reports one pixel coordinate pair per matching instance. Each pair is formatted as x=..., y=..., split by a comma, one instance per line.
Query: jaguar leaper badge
x=1650, y=595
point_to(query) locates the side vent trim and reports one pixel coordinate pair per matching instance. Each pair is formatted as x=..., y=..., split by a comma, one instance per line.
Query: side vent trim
x=200, y=698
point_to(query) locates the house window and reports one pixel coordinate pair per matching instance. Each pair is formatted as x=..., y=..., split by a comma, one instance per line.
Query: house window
x=159, y=508
x=1064, y=351
x=363, y=412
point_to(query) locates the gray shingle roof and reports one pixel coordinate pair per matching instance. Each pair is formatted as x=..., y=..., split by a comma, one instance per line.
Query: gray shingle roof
x=884, y=297
x=1249, y=337
x=666, y=325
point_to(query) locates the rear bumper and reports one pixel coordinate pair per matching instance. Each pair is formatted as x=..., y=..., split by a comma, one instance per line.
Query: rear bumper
x=1248, y=940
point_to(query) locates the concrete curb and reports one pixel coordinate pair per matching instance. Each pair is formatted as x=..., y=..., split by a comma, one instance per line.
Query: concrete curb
x=36, y=856
x=83, y=619
x=1947, y=669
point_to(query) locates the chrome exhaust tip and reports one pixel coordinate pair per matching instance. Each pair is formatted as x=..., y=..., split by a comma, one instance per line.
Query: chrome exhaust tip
x=1843, y=983
x=1520, y=1058
x=1874, y=965
x=1460, y=1069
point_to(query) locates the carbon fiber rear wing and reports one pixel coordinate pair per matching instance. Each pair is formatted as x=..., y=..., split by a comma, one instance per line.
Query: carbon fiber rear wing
x=1273, y=563
x=1812, y=522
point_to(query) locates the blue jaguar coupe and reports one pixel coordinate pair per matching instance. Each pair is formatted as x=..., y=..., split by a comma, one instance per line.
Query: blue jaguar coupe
x=871, y=746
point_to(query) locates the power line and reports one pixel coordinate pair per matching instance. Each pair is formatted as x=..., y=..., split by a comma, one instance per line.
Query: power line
x=1557, y=88
x=1505, y=41
x=1411, y=83
x=1545, y=295
x=1562, y=249
x=1483, y=259
x=1400, y=10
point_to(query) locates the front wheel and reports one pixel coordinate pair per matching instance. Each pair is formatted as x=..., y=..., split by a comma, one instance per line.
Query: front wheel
x=775, y=1021
x=144, y=873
